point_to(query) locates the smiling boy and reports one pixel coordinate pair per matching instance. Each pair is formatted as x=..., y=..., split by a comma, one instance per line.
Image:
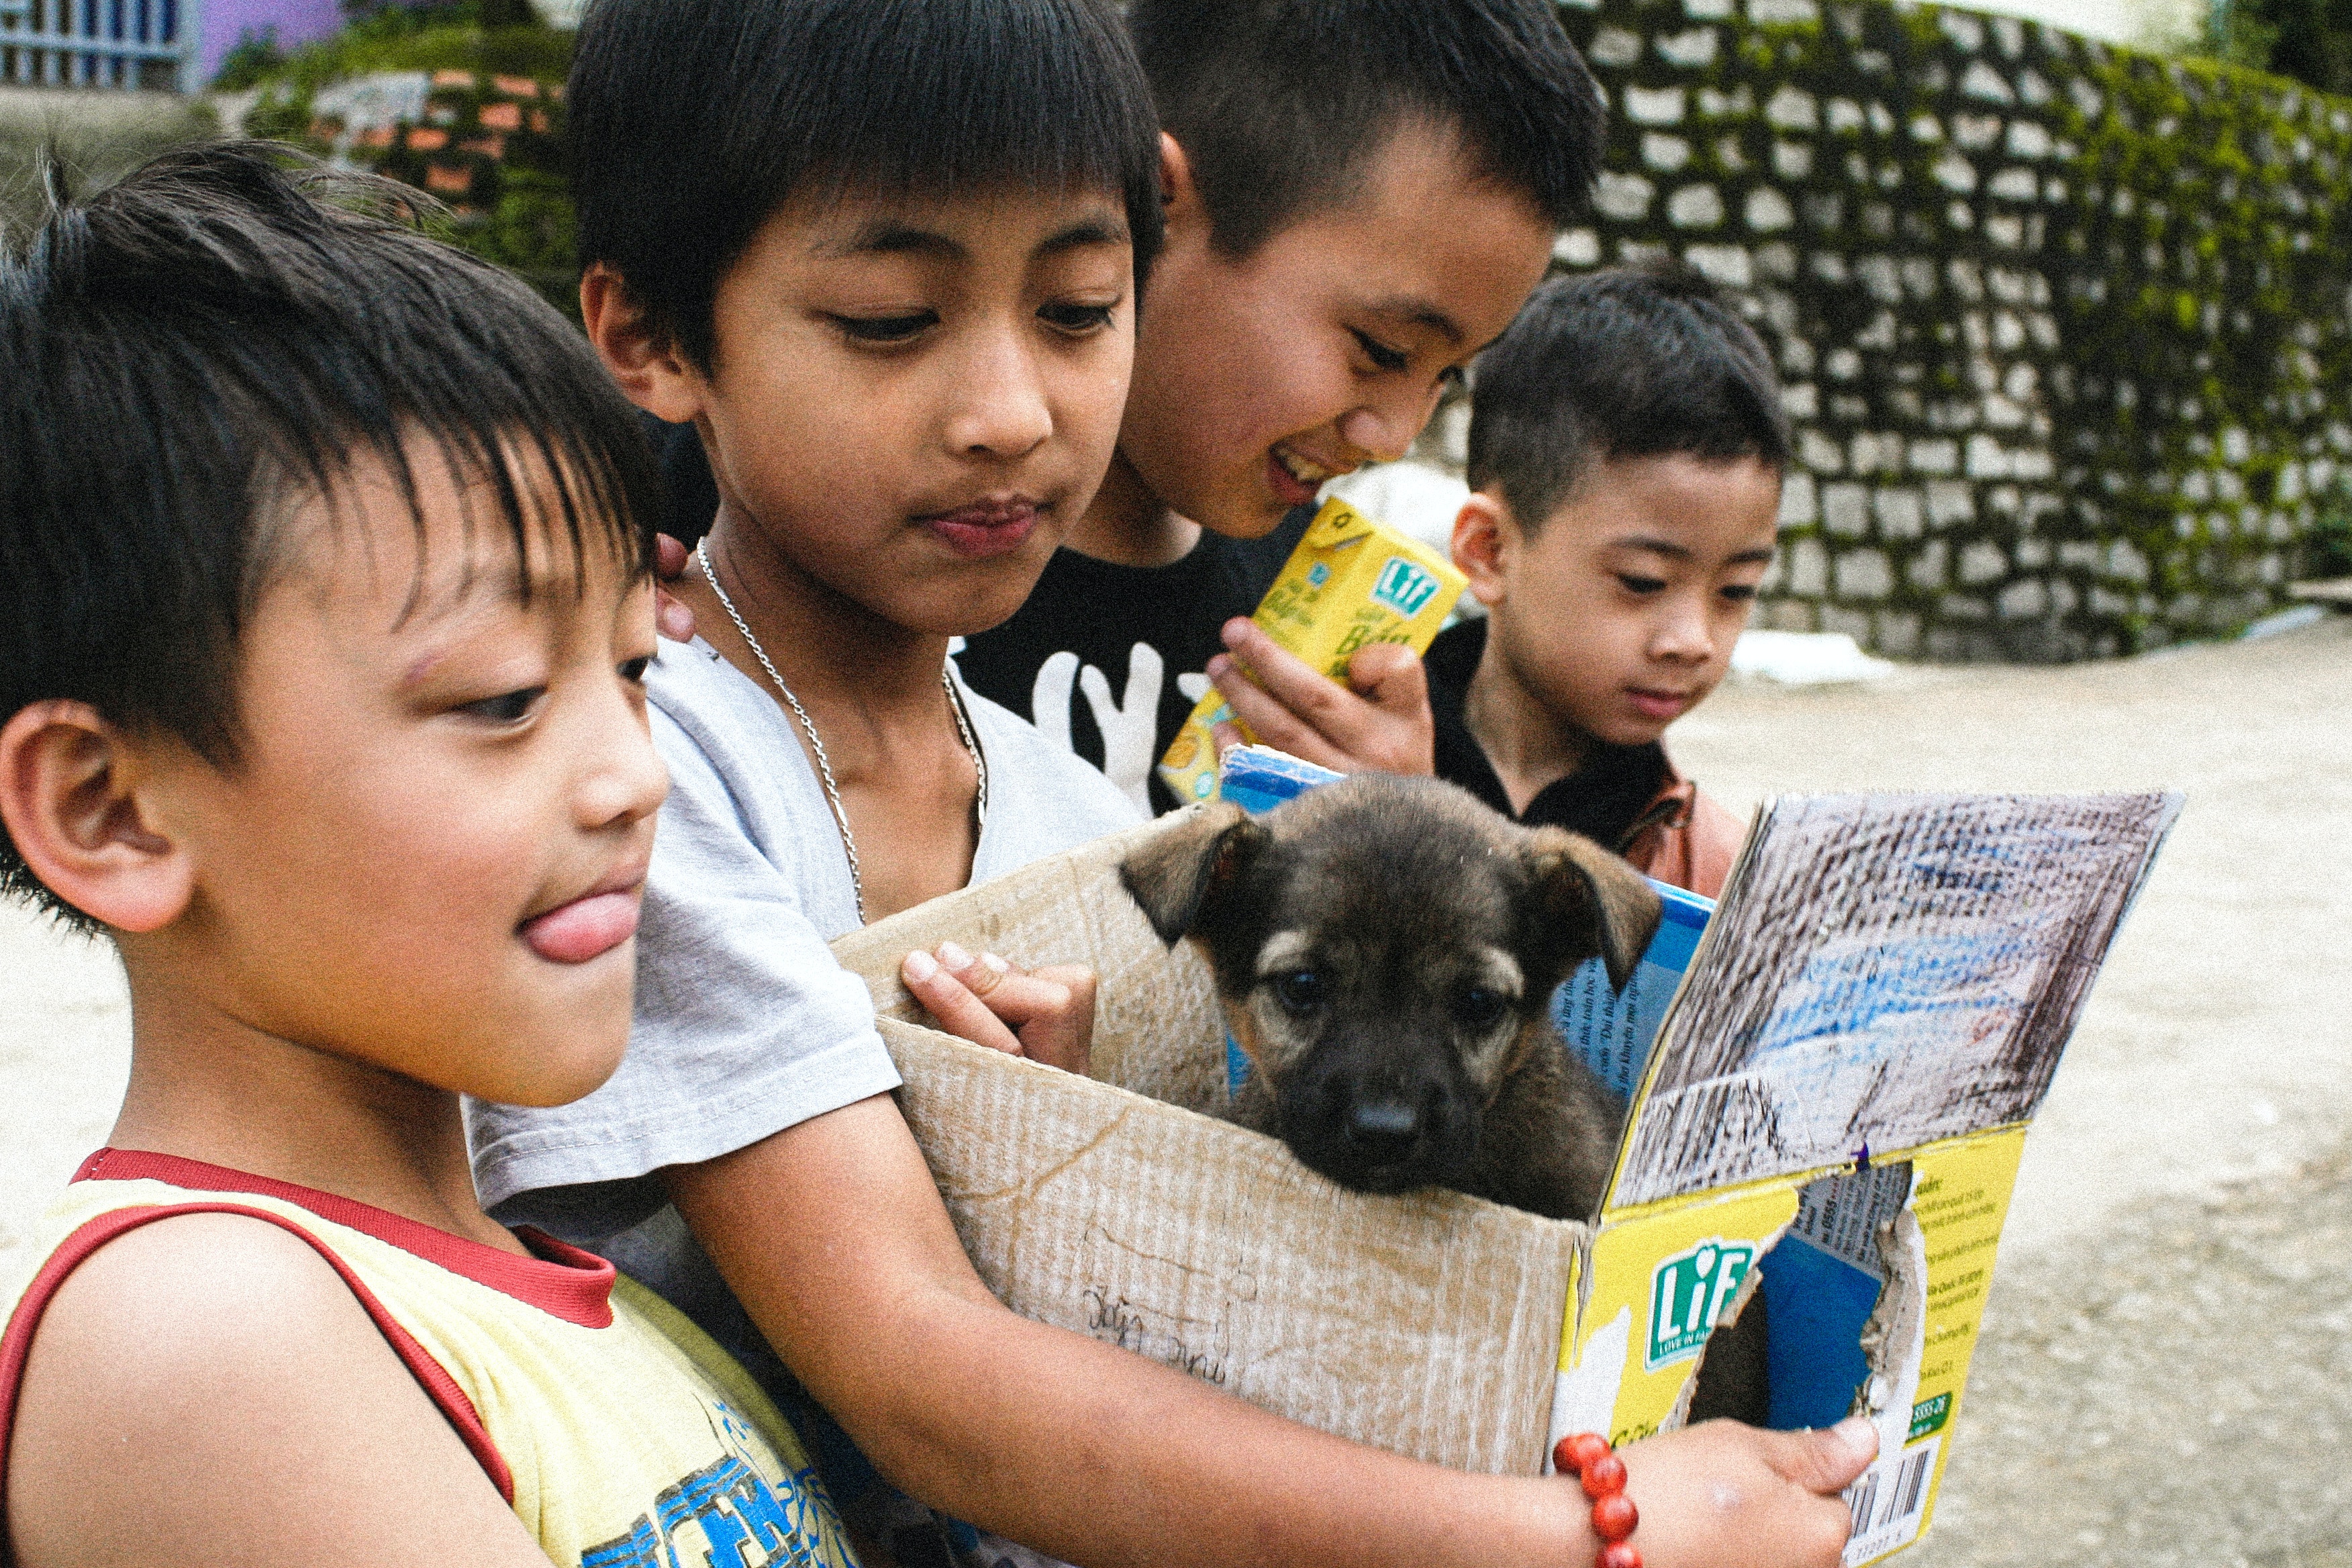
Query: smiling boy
x=1360, y=196
x=1626, y=447
x=326, y=625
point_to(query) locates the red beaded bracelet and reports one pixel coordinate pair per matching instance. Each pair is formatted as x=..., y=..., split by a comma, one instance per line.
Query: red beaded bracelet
x=1587, y=1457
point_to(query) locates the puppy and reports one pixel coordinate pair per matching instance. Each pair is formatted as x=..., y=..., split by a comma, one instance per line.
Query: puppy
x=1386, y=950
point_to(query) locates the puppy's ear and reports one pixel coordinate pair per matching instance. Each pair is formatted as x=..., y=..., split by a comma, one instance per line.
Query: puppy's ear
x=1594, y=901
x=1175, y=874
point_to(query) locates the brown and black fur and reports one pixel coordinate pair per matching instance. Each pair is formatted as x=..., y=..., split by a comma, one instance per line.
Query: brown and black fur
x=1419, y=1050
x=1386, y=950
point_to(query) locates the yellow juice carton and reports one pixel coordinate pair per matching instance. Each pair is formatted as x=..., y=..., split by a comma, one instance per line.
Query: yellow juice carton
x=1351, y=581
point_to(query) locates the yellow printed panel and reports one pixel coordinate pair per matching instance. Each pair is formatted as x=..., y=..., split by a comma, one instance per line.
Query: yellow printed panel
x=1352, y=581
x=1959, y=1195
x=1660, y=1279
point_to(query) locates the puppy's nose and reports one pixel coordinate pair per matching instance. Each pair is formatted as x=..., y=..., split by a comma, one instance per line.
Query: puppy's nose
x=1385, y=1131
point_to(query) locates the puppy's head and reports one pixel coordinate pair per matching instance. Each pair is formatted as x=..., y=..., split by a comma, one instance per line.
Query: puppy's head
x=1386, y=950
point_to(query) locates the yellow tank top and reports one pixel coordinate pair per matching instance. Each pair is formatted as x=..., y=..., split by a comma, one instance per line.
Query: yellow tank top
x=621, y=1434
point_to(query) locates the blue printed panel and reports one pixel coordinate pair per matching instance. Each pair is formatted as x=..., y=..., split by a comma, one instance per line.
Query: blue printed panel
x=1614, y=1030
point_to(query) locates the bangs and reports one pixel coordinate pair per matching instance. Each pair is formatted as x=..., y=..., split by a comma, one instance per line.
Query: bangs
x=693, y=120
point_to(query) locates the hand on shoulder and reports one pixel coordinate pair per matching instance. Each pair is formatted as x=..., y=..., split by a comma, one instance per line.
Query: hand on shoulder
x=206, y=1389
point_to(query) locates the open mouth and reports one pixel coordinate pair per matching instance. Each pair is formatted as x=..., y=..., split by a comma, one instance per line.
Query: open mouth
x=1296, y=479
x=985, y=529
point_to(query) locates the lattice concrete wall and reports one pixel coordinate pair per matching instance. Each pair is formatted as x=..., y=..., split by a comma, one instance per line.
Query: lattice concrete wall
x=2063, y=328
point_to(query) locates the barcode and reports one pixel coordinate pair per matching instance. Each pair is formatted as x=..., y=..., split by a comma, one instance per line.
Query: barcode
x=1888, y=1501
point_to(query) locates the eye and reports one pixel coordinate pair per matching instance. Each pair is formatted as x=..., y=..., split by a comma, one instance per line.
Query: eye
x=507, y=708
x=1300, y=992
x=1738, y=593
x=1383, y=357
x=1479, y=1009
x=886, y=328
x=1076, y=319
x=633, y=670
x=1636, y=584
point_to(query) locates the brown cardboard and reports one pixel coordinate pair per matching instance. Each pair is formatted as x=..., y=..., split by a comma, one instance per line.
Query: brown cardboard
x=1428, y=1324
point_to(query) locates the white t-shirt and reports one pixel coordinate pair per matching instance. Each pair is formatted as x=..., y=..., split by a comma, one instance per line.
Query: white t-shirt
x=745, y=1025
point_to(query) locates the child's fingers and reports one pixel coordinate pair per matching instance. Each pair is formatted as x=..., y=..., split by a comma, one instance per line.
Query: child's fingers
x=1282, y=674
x=1721, y=1495
x=669, y=558
x=1046, y=1014
x=1825, y=1460
x=1289, y=706
x=673, y=618
x=951, y=1003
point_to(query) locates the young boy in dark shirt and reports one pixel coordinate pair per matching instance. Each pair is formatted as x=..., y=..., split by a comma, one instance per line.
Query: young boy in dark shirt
x=1626, y=448
x=1360, y=194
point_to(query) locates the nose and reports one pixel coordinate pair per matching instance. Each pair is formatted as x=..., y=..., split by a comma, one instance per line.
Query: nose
x=1384, y=1128
x=999, y=406
x=1383, y=430
x=1682, y=634
x=624, y=780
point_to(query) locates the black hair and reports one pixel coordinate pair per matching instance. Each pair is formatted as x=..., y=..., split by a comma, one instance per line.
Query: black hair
x=1631, y=361
x=1280, y=104
x=187, y=356
x=693, y=120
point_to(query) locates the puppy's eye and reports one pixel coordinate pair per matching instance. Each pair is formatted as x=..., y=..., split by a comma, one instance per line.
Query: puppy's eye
x=1299, y=991
x=1479, y=1009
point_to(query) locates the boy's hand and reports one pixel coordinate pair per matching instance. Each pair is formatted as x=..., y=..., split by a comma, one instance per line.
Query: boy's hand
x=1046, y=1014
x=1721, y=1495
x=672, y=618
x=1382, y=725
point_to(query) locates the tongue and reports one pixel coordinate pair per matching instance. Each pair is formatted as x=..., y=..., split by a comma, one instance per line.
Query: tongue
x=583, y=929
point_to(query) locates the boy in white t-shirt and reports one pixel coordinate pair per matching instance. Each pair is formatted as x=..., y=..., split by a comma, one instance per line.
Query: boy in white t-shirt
x=883, y=254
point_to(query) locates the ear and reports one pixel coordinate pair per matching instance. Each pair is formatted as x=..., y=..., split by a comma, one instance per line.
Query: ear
x=1174, y=875
x=1593, y=901
x=75, y=798
x=1180, y=195
x=643, y=359
x=1483, y=535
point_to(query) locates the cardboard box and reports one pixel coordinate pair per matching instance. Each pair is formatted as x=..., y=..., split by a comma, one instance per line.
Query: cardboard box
x=1832, y=1113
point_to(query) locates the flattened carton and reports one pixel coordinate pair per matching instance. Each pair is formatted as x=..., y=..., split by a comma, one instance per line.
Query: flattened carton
x=1828, y=1117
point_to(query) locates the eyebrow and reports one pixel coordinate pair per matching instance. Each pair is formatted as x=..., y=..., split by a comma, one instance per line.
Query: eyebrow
x=1085, y=231
x=887, y=236
x=1672, y=551
x=1420, y=312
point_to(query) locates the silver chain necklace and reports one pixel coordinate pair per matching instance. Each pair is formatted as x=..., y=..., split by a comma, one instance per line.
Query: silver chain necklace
x=808, y=726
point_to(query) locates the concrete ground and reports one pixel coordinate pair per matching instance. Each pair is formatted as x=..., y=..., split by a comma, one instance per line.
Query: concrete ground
x=2165, y=1370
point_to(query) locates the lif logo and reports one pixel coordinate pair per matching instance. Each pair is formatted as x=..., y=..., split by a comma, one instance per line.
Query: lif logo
x=1688, y=1293
x=1404, y=586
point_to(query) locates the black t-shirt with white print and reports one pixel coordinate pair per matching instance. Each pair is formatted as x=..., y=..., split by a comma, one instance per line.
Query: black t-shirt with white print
x=1108, y=660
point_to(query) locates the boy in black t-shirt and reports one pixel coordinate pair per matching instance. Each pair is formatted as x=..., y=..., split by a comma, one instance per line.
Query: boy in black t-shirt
x=1359, y=195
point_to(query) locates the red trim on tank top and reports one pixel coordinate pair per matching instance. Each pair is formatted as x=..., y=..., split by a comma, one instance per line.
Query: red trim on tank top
x=16, y=1342
x=561, y=1280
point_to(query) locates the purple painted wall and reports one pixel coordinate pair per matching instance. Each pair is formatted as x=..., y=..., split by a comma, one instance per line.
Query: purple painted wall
x=297, y=21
